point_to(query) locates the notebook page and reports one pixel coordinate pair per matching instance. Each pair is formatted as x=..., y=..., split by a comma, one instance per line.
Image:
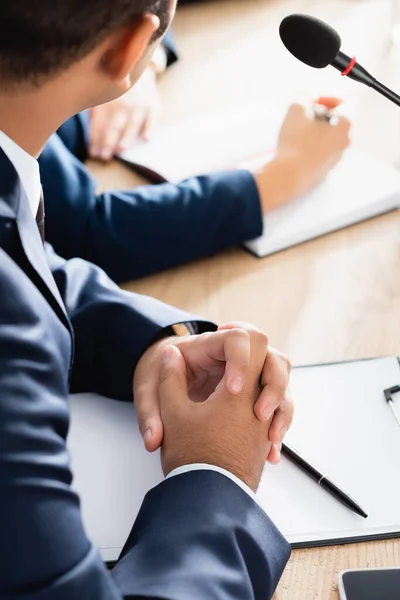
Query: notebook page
x=205, y=144
x=344, y=427
x=226, y=139
x=112, y=470
x=359, y=187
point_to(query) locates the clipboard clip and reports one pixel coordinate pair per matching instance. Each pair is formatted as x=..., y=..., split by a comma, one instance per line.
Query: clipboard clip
x=389, y=399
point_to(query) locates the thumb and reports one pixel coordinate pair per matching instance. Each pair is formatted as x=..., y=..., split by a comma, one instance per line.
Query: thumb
x=173, y=382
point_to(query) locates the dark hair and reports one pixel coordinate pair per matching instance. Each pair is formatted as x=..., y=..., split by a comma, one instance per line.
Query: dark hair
x=39, y=38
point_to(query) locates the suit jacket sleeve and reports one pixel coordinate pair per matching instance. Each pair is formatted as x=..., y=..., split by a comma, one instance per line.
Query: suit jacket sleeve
x=170, y=47
x=135, y=232
x=112, y=328
x=238, y=551
x=197, y=535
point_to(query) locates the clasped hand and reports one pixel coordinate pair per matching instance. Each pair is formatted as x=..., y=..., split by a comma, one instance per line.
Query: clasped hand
x=226, y=388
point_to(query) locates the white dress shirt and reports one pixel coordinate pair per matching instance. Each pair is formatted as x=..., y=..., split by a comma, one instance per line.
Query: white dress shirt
x=206, y=467
x=27, y=168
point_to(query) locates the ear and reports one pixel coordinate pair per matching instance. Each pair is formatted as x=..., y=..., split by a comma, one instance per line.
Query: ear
x=128, y=47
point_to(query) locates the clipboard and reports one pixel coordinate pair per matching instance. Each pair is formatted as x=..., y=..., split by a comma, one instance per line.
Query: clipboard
x=355, y=440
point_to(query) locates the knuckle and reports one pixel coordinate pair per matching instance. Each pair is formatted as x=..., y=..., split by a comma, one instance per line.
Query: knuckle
x=202, y=338
x=206, y=335
x=345, y=124
x=280, y=391
x=136, y=118
x=280, y=357
x=258, y=337
x=288, y=404
x=296, y=107
x=291, y=410
x=126, y=108
x=286, y=411
x=110, y=138
x=287, y=363
x=120, y=121
x=237, y=334
x=262, y=337
x=234, y=325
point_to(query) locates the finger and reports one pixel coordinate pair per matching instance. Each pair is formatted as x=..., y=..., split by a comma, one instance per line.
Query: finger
x=146, y=128
x=173, y=383
x=274, y=455
x=148, y=399
x=111, y=136
x=148, y=414
x=251, y=329
x=274, y=381
x=226, y=352
x=233, y=347
x=258, y=343
x=237, y=354
x=282, y=420
x=131, y=132
x=296, y=109
x=96, y=131
x=149, y=122
x=344, y=124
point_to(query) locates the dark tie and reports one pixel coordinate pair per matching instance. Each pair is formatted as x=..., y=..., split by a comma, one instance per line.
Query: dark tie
x=40, y=217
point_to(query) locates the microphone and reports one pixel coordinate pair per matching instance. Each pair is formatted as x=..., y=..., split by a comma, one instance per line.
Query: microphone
x=317, y=44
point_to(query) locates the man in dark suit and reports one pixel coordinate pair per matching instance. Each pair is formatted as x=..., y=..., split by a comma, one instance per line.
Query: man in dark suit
x=64, y=326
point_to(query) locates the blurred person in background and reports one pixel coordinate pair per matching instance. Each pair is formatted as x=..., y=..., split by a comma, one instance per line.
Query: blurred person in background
x=136, y=232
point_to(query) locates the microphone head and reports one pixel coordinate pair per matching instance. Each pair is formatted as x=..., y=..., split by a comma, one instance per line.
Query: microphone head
x=310, y=40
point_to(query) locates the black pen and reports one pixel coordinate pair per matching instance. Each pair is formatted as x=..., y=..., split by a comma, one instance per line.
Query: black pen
x=323, y=481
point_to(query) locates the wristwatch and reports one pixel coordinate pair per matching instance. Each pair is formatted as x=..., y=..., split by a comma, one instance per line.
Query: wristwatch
x=182, y=329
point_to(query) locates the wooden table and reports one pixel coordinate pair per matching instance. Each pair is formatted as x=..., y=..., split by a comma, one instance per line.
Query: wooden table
x=335, y=298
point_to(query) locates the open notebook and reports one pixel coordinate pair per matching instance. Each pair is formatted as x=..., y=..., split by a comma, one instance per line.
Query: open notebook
x=359, y=188
x=206, y=144
x=342, y=424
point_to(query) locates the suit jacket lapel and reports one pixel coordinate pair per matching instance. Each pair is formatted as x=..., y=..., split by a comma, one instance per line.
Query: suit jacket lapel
x=18, y=205
x=33, y=247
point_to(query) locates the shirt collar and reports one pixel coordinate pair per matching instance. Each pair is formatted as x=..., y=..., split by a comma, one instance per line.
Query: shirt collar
x=27, y=168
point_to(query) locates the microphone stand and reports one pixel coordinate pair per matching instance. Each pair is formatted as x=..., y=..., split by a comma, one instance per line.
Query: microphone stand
x=350, y=68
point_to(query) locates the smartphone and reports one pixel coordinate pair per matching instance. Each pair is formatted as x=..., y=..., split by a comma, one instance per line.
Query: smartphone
x=370, y=584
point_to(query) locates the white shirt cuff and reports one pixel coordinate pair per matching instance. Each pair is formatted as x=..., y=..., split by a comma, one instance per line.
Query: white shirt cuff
x=206, y=467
